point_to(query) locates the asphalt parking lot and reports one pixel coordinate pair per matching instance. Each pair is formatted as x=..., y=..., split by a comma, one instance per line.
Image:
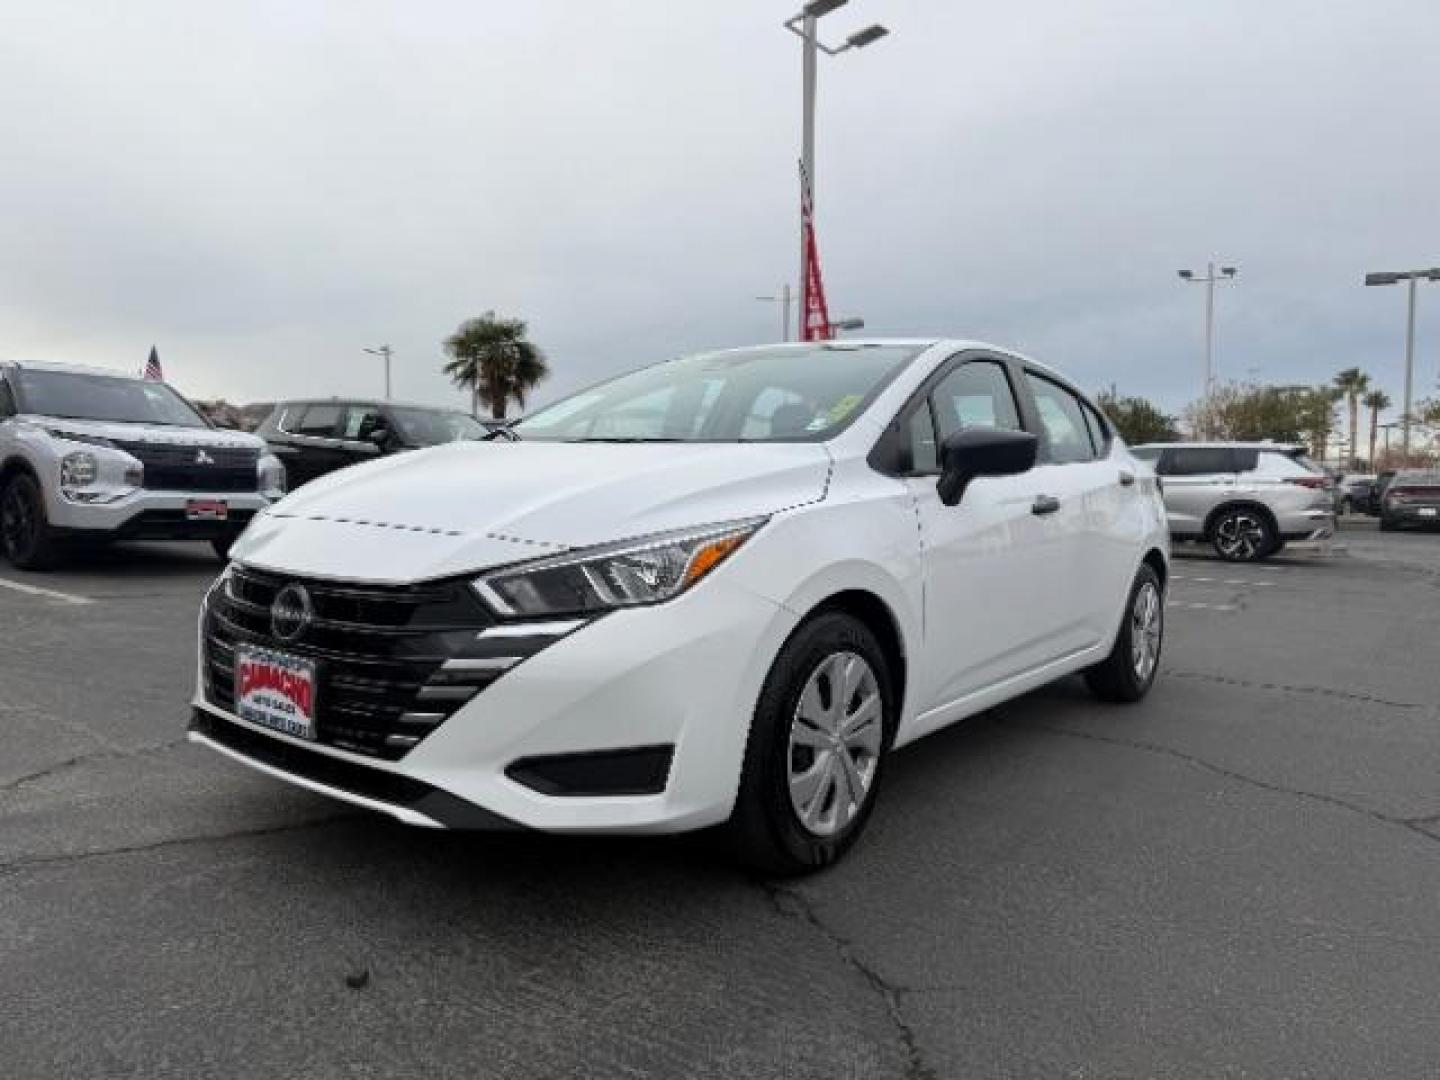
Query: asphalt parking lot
x=1238, y=877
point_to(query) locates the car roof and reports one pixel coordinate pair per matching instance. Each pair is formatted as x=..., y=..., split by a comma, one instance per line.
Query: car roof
x=361, y=399
x=922, y=344
x=69, y=369
x=1284, y=448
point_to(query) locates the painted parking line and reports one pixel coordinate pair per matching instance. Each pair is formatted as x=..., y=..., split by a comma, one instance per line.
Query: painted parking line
x=1190, y=605
x=1225, y=581
x=48, y=594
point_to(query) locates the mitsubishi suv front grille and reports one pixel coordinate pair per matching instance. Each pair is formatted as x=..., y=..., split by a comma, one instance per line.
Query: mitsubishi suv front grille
x=392, y=662
x=176, y=467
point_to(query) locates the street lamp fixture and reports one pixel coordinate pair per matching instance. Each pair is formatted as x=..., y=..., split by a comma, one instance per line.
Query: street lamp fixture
x=383, y=351
x=1411, y=278
x=783, y=299
x=855, y=323
x=805, y=26
x=1226, y=273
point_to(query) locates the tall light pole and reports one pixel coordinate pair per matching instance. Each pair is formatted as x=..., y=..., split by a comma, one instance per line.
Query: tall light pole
x=383, y=350
x=1227, y=273
x=783, y=298
x=804, y=25
x=1411, y=278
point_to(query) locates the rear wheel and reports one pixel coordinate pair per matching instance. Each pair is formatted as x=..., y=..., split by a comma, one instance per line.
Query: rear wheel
x=24, y=531
x=1127, y=674
x=1388, y=524
x=1242, y=535
x=817, y=745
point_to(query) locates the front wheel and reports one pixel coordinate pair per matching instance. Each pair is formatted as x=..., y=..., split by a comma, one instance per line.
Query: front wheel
x=1127, y=674
x=823, y=724
x=1242, y=535
x=24, y=532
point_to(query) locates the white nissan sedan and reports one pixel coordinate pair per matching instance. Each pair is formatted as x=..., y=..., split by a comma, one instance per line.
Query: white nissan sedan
x=719, y=590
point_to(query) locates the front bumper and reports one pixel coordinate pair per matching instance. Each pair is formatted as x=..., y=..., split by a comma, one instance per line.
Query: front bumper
x=1414, y=513
x=681, y=678
x=152, y=515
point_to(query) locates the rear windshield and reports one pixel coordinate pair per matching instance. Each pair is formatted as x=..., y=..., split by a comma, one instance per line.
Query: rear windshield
x=1416, y=478
x=80, y=396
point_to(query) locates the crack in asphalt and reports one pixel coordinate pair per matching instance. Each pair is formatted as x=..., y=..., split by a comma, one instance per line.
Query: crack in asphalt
x=1413, y=824
x=83, y=759
x=1286, y=688
x=795, y=905
x=53, y=861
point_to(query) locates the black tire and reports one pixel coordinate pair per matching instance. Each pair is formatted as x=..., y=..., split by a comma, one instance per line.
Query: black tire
x=1120, y=677
x=765, y=829
x=1388, y=524
x=24, y=531
x=1276, y=548
x=222, y=545
x=1242, y=534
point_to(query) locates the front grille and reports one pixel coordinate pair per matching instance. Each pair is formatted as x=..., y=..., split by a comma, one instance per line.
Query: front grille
x=379, y=653
x=175, y=467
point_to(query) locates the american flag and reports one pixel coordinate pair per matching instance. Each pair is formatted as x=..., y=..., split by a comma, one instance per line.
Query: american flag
x=152, y=366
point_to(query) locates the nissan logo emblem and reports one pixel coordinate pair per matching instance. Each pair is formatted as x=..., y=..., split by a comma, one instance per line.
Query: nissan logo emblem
x=291, y=612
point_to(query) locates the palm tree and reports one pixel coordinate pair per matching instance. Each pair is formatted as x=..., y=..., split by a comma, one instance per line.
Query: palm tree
x=1352, y=382
x=491, y=357
x=1375, y=401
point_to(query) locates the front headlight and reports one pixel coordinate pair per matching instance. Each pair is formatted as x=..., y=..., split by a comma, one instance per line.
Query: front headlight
x=272, y=477
x=78, y=470
x=647, y=570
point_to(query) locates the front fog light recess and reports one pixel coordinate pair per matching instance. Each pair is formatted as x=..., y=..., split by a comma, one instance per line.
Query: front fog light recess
x=648, y=570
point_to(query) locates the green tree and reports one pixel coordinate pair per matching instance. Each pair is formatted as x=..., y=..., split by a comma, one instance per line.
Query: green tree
x=1376, y=401
x=1137, y=419
x=1243, y=411
x=1352, y=383
x=492, y=358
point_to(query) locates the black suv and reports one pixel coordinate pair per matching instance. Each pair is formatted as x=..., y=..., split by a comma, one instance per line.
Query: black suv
x=313, y=438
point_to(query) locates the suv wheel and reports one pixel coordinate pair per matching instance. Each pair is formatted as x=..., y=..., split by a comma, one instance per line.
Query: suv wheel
x=816, y=750
x=1387, y=523
x=23, y=529
x=1129, y=671
x=1242, y=535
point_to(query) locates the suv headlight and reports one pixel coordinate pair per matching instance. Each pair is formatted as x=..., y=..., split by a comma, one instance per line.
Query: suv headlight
x=78, y=470
x=648, y=570
x=272, y=477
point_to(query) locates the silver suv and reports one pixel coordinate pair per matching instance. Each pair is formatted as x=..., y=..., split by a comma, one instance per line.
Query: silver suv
x=94, y=455
x=1246, y=499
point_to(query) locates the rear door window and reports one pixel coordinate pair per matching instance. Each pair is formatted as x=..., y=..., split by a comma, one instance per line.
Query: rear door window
x=1067, y=435
x=319, y=421
x=1196, y=461
x=1278, y=463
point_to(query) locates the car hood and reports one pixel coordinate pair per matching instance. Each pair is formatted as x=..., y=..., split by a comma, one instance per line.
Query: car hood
x=147, y=433
x=461, y=507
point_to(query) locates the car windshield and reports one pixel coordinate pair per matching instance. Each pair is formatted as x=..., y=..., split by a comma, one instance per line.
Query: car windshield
x=804, y=393
x=430, y=427
x=80, y=396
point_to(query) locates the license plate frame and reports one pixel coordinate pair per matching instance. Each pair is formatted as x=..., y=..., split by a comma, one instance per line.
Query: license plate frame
x=277, y=690
x=207, y=510
x=1428, y=511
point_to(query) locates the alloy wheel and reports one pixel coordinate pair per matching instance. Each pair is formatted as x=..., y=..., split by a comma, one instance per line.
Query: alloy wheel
x=1240, y=536
x=1147, y=621
x=835, y=741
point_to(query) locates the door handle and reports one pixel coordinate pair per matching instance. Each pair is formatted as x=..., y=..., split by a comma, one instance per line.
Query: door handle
x=1044, y=504
x=1127, y=478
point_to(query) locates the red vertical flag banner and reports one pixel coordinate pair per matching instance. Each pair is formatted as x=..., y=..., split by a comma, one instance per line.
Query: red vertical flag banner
x=816, y=318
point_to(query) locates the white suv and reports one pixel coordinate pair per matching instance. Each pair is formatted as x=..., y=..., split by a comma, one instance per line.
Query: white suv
x=719, y=589
x=94, y=455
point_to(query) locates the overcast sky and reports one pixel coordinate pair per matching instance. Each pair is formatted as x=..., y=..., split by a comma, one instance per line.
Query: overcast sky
x=262, y=189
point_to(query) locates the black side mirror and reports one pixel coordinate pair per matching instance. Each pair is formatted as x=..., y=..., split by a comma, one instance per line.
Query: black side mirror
x=380, y=437
x=982, y=452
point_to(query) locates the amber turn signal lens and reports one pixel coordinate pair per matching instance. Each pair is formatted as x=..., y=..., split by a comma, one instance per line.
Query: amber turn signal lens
x=711, y=556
